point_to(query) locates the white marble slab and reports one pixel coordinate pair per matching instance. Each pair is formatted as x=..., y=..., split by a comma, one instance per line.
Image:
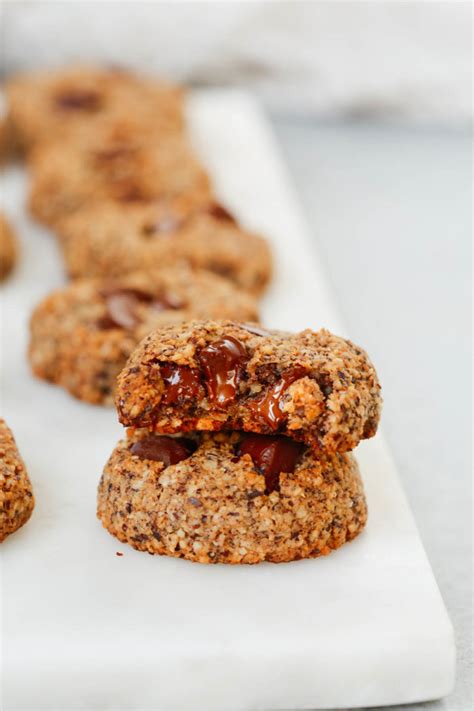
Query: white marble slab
x=85, y=629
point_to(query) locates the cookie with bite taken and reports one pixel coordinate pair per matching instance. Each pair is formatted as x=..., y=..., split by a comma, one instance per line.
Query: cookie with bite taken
x=311, y=386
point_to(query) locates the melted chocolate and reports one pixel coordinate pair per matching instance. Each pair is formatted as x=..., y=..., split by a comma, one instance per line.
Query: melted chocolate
x=269, y=406
x=222, y=363
x=168, y=450
x=271, y=455
x=182, y=383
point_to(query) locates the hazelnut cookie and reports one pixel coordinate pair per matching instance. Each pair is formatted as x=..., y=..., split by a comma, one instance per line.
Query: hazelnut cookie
x=82, y=335
x=115, y=239
x=230, y=497
x=79, y=100
x=221, y=375
x=116, y=165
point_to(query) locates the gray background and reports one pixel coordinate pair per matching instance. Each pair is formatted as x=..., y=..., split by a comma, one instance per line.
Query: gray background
x=390, y=212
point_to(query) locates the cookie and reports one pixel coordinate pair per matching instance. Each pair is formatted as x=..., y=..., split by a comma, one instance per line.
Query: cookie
x=16, y=495
x=82, y=335
x=77, y=101
x=230, y=498
x=7, y=147
x=221, y=375
x=116, y=165
x=115, y=239
x=8, y=248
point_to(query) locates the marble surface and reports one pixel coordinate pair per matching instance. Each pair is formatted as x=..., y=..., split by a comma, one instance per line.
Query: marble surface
x=390, y=212
x=90, y=630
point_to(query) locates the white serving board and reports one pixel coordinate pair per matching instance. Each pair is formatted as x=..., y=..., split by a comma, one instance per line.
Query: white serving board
x=85, y=629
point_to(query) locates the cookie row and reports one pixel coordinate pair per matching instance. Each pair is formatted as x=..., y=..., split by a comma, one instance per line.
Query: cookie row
x=238, y=438
x=113, y=173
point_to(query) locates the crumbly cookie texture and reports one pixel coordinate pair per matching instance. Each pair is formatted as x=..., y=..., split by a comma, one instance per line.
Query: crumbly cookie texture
x=115, y=239
x=115, y=164
x=16, y=495
x=82, y=335
x=212, y=507
x=8, y=248
x=77, y=101
x=221, y=375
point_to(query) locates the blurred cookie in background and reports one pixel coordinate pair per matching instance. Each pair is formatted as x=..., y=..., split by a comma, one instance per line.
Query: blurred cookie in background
x=75, y=101
x=118, y=238
x=82, y=335
x=115, y=164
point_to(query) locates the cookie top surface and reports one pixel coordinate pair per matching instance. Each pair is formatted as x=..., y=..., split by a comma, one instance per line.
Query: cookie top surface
x=114, y=164
x=139, y=302
x=116, y=239
x=215, y=375
x=77, y=101
x=16, y=496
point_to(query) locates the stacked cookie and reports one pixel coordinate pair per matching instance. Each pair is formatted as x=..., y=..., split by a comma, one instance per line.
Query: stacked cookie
x=238, y=444
x=113, y=174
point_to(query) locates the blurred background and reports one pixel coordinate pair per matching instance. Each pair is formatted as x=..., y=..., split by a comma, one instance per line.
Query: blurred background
x=381, y=60
x=371, y=103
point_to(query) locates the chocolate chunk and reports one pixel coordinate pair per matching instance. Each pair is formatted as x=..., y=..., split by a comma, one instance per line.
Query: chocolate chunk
x=219, y=212
x=78, y=100
x=122, y=307
x=163, y=449
x=222, y=363
x=182, y=383
x=271, y=455
x=269, y=406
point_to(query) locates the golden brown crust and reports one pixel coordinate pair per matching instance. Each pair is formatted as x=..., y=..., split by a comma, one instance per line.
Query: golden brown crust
x=331, y=402
x=115, y=239
x=8, y=248
x=16, y=496
x=75, y=344
x=211, y=507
